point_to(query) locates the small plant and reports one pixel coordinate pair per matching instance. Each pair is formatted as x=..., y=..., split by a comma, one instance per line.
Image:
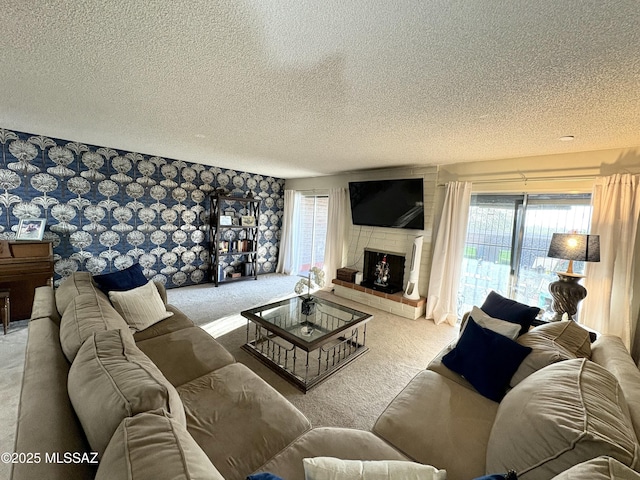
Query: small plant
x=316, y=282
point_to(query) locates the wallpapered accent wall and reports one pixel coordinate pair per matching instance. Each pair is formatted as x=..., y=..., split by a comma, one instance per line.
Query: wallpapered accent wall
x=106, y=209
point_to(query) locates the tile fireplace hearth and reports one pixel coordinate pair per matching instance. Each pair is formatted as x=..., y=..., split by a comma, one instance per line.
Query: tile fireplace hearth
x=394, y=303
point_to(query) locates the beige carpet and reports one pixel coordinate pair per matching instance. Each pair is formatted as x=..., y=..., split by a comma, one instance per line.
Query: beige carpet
x=12, y=347
x=354, y=397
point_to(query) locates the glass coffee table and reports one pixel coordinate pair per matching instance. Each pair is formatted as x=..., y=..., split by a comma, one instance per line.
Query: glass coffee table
x=305, y=344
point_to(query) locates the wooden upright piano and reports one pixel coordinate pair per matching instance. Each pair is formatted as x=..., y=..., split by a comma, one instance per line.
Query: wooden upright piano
x=24, y=265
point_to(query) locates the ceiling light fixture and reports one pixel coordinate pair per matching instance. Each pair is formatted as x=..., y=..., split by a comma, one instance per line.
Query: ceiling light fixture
x=567, y=138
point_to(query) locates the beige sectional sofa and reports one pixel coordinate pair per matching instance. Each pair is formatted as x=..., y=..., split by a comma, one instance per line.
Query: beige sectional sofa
x=585, y=403
x=165, y=402
x=169, y=401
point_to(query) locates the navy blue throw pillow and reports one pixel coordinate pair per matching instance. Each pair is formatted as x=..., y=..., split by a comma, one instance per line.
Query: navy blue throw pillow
x=486, y=359
x=264, y=476
x=497, y=306
x=122, y=280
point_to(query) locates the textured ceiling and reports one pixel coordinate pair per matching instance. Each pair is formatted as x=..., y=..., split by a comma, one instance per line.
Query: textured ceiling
x=298, y=88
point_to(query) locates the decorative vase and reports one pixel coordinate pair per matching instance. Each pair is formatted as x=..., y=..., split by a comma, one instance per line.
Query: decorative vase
x=308, y=306
x=566, y=293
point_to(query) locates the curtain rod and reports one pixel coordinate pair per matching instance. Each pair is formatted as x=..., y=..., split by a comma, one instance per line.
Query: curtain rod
x=525, y=179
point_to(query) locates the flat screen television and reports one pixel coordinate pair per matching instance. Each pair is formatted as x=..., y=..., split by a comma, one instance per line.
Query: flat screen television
x=388, y=203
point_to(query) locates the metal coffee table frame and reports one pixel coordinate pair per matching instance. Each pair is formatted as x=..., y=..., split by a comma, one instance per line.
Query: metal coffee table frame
x=338, y=336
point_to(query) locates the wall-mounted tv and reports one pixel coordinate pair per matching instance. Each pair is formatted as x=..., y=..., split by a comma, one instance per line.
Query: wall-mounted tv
x=388, y=203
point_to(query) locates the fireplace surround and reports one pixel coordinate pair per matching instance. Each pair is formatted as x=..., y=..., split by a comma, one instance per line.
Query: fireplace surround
x=390, y=278
x=373, y=295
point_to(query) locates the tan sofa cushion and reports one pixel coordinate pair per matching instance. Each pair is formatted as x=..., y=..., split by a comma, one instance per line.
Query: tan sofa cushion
x=111, y=379
x=437, y=366
x=140, y=307
x=562, y=415
x=343, y=443
x=438, y=422
x=551, y=343
x=151, y=446
x=86, y=314
x=601, y=468
x=186, y=354
x=175, y=322
x=238, y=419
x=78, y=283
x=567, y=334
x=544, y=351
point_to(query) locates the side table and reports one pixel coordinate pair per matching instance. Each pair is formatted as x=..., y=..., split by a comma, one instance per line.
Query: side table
x=5, y=312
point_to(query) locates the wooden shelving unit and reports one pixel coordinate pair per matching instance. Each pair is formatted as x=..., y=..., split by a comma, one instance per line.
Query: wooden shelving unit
x=233, y=238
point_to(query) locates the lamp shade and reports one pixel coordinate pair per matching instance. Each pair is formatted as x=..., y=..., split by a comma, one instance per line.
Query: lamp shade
x=576, y=247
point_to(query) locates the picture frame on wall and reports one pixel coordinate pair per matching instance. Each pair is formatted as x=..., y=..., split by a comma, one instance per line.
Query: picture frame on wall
x=31, y=229
x=248, y=221
x=225, y=220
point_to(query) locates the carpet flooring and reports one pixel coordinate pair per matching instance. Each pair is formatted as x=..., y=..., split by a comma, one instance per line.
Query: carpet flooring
x=353, y=397
x=356, y=395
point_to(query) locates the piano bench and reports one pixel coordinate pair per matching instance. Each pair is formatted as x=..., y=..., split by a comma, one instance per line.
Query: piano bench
x=5, y=313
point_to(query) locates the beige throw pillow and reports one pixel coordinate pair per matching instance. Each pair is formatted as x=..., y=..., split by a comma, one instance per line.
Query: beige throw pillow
x=544, y=352
x=141, y=307
x=329, y=468
x=569, y=335
x=551, y=343
x=508, y=329
x=111, y=379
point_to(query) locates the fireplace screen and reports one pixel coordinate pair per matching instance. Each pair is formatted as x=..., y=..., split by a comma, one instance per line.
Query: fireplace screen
x=383, y=271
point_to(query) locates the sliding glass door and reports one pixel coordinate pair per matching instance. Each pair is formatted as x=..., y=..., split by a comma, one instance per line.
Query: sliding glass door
x=314, y=212
x=507, y=241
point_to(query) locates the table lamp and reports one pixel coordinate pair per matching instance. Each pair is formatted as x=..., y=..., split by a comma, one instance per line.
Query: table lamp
x=567, y=291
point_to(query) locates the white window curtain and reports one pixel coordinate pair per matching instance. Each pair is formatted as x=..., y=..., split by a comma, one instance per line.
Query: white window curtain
x=288, y=257
x=447, y=254
x=336, y=228
x=609, y=283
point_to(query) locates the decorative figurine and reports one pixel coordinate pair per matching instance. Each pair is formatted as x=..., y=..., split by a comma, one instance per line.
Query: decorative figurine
x=382, y=272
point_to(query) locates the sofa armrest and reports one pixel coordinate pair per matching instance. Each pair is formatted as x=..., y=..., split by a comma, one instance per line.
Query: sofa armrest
x=609, y=352
x=44, y=305
x=161, y=290
x=47, y=424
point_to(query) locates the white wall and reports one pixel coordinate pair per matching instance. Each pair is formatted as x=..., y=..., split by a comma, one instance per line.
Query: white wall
x=392, y=240
x=566, y=173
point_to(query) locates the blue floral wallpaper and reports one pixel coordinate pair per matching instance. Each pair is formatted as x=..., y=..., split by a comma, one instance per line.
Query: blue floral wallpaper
x=106, y=209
